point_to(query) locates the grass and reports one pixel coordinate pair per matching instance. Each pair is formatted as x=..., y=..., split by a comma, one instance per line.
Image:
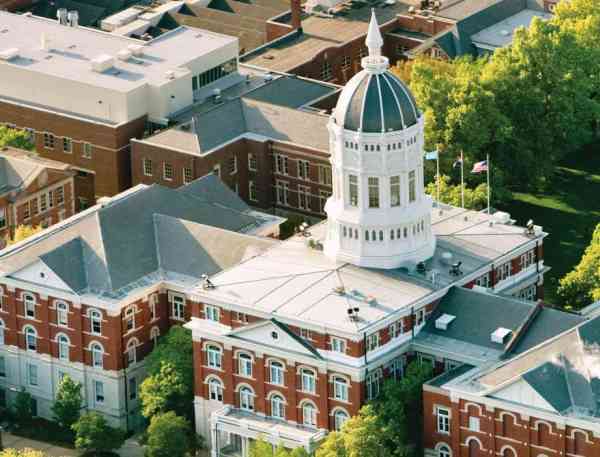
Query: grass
x=569, y=211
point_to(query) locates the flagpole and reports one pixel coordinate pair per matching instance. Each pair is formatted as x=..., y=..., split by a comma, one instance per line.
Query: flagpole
x=462, y=180
x=438, y=177
x=488, y=182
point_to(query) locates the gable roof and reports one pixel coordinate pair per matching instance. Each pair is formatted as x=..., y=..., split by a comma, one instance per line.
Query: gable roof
x=138, y=233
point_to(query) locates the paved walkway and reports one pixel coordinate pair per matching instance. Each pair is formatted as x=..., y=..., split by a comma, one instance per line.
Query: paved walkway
x=129, y=449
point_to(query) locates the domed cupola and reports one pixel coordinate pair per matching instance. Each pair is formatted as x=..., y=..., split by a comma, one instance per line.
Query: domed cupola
x=378, y=215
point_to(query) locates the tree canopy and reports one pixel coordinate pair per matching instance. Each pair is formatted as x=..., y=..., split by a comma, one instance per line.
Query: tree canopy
x=475, y=198
x=15, y=138
x=390, y=426
x=261, y=448
x=528, y=104
x=168, y=435
x=93, y=434
x=170, y=382
x=67, y=405
x=23, y=232
x=581, y=286
x=26, y=452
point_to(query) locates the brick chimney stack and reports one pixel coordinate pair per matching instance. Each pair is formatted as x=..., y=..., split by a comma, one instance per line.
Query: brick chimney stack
x=296, y=14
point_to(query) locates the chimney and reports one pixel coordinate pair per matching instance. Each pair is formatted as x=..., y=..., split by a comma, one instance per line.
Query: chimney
x=296, y=14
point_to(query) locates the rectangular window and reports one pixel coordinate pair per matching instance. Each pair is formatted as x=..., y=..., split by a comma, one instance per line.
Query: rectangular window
x=372, y=341
x=211, y=313
x=282, y=188
x=373, y=382
x=48, y=141
x=338, y=345
x=396, y=368
x=373, y=192
x=305, y=333
x=167, y=171
x=99, y=392
x=67, y=145
x=177, y=307
x=252, y=163
x=281, y=164
x=443, y=420
x=326, y=74
x=252, y=191
x=395, y=191
x=60, y=196
x=147, y=167
x=474, y=423
x=304, y=197
x=420, y=316
x=325, y=175
x=43, y=203
x=503, y=271
x=2, y=367
x=309, y=383
x=353, y=190
x=303, y=170
x=132, y=388
x=87, y=151
x=187, y=175
x=32, y=374
x=483, y=281
x=412, y=186
x=26, y=211
x=50, y=199
x=232, y=165
x=346, y=62
x=527, y=259
x=217, y=170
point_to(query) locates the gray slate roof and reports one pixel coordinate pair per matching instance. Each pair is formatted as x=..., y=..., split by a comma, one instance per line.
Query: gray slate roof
x=152, y=230
x=18, y=168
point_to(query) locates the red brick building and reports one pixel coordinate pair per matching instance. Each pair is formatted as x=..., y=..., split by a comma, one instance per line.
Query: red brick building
x=73, y=303
x=37, y=192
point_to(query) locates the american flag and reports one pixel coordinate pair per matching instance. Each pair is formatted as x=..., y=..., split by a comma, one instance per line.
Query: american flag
x=480, y=167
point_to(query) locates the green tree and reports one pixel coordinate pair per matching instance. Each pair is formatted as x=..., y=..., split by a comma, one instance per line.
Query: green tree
x=23, y=407
x=260, y=448
x=174, y=351
x=164, y=391
x=93, y=434
x=23, y=232
x=67, y=406
x=475, y=198
x=15, y=138
x=168, y=435
x=581, y=286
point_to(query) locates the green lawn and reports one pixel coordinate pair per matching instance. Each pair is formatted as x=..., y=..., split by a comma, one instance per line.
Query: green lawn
x=569, y=212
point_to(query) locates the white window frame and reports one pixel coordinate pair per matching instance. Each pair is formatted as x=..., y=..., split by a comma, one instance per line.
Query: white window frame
x=246, y=398
x=214, y=356
x=276, y=373
x=177, y=306
x=340, y=417
x=309, y=414
x=63, y=344
x=212, y=313
x=252, y=191
x=353, y=191
x=278, y=407
x=32, y=375
x=341, y=388
x=95, y=321
x=30, y=344
x=308, y=381
x=99, y=397
x=282, y=164
x=147, y=166
x=29, y=304
x=303, y=169
x=442, y=420
x=338, y=345
x=62, y=314
x=252, y=162
x=97, y=355
x=167, y=171
x=245, y=363
x=474, y=424
x=86, y=151
x=188, y=175
x=215, y=390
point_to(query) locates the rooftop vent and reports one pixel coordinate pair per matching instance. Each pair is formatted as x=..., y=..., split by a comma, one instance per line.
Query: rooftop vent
x=136, y=49
x=102, y=63
x=9, y=54
x=500, y=335
x=124, y=55
x=442, y=322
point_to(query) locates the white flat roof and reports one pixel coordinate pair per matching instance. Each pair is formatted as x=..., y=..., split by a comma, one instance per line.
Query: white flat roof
x=71, y=49
x=501, y=33
x=296, y=281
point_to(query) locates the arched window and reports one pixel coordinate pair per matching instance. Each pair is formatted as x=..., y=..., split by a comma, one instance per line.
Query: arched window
x=1, y=331
x=97, y=355
x=309, y=383
x=29, y=305
x=309, y=414
x=508, y=452
x=474, y=448
x=62, y=314
x=444, y=451
x=215, y=389
x=245, y=365
x=130, y=318
x=276, y=371
x=132, y=351
x=278, y=407
x=63, y=347
x=95, y=322
x=340, y=388
x=543, y=433
x=246, y=399
x=214, y=356
x=154, y=334
x=339, y=419
x=31, y=338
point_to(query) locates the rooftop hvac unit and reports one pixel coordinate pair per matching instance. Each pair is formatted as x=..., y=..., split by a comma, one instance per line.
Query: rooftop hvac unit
x=62, y=16
x=9, y=54
x=102, y=63
x=501, y=217
x=442, y=322
x=124, y=55
x=136, y=49
x=500, y=335
x=73, y=18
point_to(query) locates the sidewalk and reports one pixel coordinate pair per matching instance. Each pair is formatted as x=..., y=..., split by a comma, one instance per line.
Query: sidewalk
x=129, y=449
